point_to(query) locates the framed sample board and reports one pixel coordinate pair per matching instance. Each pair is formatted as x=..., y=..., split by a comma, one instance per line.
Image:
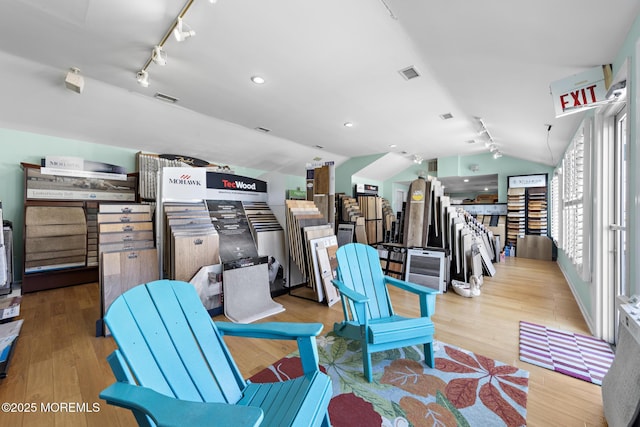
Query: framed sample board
x=427, y=268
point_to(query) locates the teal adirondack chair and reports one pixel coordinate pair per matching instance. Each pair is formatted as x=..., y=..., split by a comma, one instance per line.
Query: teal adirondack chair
x=369, y=316
x=174, y=369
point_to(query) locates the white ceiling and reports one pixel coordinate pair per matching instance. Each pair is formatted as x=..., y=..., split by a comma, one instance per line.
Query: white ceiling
x=325, y=63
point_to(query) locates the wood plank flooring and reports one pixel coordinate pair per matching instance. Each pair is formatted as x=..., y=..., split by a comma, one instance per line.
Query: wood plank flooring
x=58, y=359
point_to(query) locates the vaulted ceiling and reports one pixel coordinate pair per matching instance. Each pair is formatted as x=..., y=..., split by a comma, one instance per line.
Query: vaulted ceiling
x=325, y=63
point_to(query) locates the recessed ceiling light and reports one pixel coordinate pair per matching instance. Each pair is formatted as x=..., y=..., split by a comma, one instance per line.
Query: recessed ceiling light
x=393, y=146
x=258, y=80
x=348, y=125
x=466, y=180
x=486, y=189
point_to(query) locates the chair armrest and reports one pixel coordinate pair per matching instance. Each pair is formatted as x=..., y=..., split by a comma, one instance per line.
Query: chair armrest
x=170, y=412
x=350, y=293
x=304, y=333
x=427, y=296
x=410, y=287
x=270, y=330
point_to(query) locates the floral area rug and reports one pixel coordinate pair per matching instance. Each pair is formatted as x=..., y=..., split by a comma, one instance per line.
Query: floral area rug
x=465, y=389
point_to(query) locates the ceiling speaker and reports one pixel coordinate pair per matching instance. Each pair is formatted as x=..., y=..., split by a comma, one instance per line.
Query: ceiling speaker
x=74, y=80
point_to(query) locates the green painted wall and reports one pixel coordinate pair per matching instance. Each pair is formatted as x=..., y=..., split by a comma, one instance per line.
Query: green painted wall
x=504, y=166
x=346, y=171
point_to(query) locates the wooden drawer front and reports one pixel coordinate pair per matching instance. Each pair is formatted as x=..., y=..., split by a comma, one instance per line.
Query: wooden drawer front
x=55, y=230
x=46, y=215
x=126, y=246
x=123, y=217
x=125, y=208
x=126, y=227
x=52, y=244
x=124, y=237
x=54, y=263
x=35, y=256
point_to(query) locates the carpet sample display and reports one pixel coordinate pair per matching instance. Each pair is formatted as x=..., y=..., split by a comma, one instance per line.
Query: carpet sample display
x=576, y=355
x=464, y=389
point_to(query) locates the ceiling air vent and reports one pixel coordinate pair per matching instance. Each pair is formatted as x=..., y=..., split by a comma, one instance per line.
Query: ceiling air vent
x=165, y=98
x=409, y=73
x=432, y=165
x=264, y=130
x=446, y=116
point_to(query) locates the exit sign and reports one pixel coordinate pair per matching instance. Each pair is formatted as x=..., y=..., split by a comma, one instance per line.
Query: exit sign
x=573, y=93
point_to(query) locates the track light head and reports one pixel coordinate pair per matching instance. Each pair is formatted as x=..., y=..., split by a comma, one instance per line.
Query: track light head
x=159, y=56
x=179, y=32
x=143, y=78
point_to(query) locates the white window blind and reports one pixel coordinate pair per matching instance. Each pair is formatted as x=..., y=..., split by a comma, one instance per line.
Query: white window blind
x=555, y=210
x=573, y=195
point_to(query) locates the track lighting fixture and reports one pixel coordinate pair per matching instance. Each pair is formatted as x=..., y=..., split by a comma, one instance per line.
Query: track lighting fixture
x=182, y=31
x=143, y=78
x=489, y=143
x=159, y=56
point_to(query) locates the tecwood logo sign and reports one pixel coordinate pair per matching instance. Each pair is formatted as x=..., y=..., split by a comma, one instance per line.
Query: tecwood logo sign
x=238, y=185
x=230, y=182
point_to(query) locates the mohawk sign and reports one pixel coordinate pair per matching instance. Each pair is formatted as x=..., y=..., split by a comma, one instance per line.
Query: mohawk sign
x=185, y=179
x=184, y=183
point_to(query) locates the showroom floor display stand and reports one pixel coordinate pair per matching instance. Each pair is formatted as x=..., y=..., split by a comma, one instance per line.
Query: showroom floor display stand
x=246, y=295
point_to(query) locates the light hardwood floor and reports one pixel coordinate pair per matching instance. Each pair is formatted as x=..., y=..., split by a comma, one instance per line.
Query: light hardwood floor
x=58, y=359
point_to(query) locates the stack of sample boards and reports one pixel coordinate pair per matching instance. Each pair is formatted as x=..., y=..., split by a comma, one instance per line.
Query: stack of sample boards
x=191, y=240
x=351, y=214
x=269, y=237
x=537, y=211
x=310, y=234
x=127, y=252
x=371, y=207
x=92, y=235
x=516, y=217
x=245, y=274
x=55, y=237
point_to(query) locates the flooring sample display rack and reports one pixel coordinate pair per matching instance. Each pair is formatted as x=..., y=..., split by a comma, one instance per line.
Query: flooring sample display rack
x=80, y=195
x=527, y=200
x=126, y=250
x=245, y=274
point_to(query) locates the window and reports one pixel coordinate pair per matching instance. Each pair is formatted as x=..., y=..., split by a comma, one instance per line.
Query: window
x=573, y=200
x=554, y=218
